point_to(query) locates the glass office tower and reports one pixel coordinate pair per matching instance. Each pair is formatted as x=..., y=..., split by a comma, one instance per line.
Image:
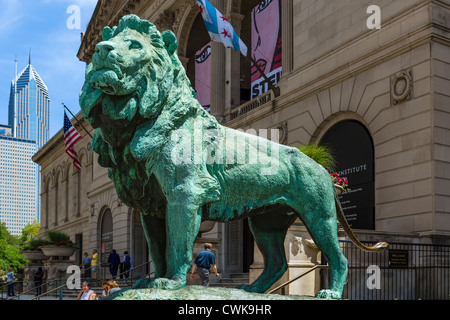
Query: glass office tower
x=29, y=130
x=29, y=107
x=19, y=188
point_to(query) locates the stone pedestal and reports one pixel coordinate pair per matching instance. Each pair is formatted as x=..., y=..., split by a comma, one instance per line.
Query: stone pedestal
x=28, y=275
x=36, y=259
x=302, y=254
x=55, y=272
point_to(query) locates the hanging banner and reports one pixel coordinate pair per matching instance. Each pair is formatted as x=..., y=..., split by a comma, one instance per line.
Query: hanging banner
x=203, y=76
x=266, y=45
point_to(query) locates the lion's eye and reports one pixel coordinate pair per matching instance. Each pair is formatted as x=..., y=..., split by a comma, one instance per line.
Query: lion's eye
x=135, y=45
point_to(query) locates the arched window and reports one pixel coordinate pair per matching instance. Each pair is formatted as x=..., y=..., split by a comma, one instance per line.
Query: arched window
x=352, y=147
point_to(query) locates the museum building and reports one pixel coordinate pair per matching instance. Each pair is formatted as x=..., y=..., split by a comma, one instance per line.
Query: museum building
x=379, y=97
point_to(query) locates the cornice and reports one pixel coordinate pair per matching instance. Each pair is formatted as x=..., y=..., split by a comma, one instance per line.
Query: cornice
x=106, y=13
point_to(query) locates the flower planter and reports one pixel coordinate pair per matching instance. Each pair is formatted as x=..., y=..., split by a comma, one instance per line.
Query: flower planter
x=58, y=251
x=37, y=255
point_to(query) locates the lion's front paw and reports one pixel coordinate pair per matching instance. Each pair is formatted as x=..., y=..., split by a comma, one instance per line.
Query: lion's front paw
x=250, y=288
x=167, y=284
x=143, y=283
x=328, y=294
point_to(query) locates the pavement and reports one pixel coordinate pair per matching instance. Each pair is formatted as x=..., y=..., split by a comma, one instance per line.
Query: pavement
x=29, y=297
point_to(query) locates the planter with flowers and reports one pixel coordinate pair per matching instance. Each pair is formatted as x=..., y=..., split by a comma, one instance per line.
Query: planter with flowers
x=32, y=251
x=58, y=245
x=340, y=184
x=324, y=156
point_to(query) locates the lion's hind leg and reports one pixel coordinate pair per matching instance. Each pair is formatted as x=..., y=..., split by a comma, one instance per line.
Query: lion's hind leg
x=269, y=231
x=322, y=226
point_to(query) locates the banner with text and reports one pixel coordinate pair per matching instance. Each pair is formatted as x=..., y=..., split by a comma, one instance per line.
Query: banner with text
x=266, y=45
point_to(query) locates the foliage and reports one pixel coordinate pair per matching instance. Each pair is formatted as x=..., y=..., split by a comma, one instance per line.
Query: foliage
x=34, y=244
x=321, y=154
x=29, y=234
x=57, y=239
x=340, y=181
x=10, y=256
x=324, y=156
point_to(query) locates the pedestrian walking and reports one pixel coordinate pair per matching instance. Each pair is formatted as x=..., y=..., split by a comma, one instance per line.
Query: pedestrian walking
x=94, y=263
x=10, y=282
x=38, y=277
x=204, y=261
x=114, y=261
x=86, y=265
x=126, y=262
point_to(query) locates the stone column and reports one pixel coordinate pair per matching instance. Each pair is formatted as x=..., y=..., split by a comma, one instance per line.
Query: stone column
x=217, y=74
x=287, y=36
x=233, y=68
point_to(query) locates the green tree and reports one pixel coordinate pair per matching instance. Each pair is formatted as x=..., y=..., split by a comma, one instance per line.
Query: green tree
x=29, y=232
x=10, y=256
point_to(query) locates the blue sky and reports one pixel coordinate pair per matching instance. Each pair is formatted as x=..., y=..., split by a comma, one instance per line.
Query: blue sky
x=42, y=26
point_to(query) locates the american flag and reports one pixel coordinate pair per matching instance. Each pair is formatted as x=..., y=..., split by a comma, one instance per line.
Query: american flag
x=71, y=136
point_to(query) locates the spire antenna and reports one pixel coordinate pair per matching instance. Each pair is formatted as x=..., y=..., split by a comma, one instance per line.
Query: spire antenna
x=29, y=57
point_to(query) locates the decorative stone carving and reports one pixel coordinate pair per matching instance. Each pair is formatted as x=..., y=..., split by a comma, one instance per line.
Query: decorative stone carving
x=165, y=21
x=282, y=132
x=401, y=86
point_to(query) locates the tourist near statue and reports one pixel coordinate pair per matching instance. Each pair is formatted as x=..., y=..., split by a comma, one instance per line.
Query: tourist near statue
x=174, y=163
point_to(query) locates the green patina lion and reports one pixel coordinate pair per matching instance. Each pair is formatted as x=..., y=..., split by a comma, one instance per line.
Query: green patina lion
x=178, y=166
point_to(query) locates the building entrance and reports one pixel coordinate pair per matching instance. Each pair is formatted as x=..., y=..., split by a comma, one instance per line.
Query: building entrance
x=353, y=151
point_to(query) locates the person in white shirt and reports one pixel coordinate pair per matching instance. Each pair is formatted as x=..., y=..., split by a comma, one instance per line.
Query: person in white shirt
x=87, y=293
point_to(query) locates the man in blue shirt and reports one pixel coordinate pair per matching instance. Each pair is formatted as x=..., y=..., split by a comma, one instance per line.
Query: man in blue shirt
x=114, y=261
x=203, y=262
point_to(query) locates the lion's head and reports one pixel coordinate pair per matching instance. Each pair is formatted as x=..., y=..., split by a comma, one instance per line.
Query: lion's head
x=132, y=69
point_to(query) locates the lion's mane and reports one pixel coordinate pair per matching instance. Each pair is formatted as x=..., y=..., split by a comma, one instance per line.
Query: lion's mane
x=131, y=127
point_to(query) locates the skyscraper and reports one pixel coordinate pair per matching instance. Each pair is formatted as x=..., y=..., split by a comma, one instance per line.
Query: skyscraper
x=27, y=131
x=19, y=184
x=29, y=106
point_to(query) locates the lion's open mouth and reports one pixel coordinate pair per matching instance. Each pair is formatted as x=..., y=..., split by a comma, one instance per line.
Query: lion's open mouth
x=106, y=80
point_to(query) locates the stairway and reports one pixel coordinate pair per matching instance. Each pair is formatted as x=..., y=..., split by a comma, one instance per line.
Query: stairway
x=234, y=280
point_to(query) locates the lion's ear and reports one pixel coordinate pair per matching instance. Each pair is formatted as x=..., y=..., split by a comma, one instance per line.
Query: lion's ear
x=170, y=41
x=107, y=33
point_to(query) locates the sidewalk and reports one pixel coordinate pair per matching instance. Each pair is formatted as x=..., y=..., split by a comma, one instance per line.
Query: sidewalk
x=29, y=297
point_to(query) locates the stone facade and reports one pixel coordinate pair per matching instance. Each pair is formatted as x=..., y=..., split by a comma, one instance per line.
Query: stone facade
x=394, y=81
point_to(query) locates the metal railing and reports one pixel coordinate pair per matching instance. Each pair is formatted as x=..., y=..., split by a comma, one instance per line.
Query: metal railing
x=2, y=288
x=297, y=277
x=252, y=104
x=62, y=286
x=404, y=271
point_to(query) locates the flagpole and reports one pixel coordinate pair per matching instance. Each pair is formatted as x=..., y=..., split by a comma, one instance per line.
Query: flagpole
x=76, y=119
x=276, y=90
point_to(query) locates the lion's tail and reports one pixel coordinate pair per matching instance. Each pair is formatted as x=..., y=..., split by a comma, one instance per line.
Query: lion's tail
x=380, y=246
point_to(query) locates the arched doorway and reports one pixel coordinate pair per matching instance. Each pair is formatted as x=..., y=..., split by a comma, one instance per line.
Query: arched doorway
x=352, y=147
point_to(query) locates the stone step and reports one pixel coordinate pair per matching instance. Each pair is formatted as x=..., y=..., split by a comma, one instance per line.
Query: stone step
x=234, y=280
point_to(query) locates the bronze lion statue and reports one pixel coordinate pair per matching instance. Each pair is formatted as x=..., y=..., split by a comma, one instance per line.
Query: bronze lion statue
x=172, y=161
